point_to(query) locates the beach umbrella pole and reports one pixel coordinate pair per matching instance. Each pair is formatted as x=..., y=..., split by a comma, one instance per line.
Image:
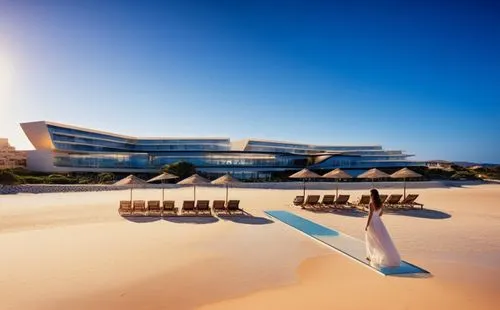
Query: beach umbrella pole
x=130, y=193
x=194, y=192
x=337, y=191
x=304, y=192
x=227, y=188
x=404, y=189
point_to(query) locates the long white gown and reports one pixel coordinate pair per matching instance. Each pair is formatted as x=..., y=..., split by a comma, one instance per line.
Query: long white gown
x=379, y=246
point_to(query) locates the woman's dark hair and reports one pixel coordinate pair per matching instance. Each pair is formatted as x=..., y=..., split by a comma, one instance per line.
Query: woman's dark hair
x=376, y=199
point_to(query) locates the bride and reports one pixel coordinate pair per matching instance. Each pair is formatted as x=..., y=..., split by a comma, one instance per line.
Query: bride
x=380, y=249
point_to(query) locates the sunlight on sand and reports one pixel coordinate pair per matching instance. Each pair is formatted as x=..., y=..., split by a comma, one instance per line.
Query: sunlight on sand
x=73, y=251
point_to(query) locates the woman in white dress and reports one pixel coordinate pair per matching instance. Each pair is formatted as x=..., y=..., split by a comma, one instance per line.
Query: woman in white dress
x=380, y=250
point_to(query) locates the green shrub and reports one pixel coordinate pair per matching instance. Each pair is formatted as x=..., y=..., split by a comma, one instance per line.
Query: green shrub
x=464, y=175
x=84, y=180
x=33, y=180
x=105, y=178
x=60, y=179
x=7, y=177
x=182, y=169
x=437, y=174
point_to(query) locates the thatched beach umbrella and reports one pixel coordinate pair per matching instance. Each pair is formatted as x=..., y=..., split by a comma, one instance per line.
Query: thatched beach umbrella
x=337, y=174
x=373, y=174
x=132, y=181
x=162, y=177
x=403, y=174
x=226, y=180
x=194, y=180
x=305, y=174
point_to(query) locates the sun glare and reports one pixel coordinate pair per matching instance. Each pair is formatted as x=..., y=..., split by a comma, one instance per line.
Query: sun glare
x=6, y=79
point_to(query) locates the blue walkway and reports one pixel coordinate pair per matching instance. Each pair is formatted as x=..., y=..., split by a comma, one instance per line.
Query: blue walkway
x=348, y=245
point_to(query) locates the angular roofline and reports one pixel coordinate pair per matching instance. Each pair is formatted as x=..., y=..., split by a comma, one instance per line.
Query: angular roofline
x=122, y=136
x=88, y=130
x=236, y=145
x=38, y=134
x=319, y=145
x=239, y=145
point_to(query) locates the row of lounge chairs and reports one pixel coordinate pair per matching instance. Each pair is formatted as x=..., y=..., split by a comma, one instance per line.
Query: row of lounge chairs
x=329, y=201
x=189, y=207
x=393, y=201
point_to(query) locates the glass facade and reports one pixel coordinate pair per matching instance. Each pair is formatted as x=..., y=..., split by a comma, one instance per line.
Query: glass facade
x=265, y=146
x=78, y=140
x=311, y=147
x=103, y=161
x=348, y=162
x=89, y=149
x=199, y=159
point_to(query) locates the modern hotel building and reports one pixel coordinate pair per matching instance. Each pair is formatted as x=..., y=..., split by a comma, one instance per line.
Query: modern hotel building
x=65, y=148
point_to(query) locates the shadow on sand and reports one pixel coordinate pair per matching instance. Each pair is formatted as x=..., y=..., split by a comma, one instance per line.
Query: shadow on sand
x=192, y=219
x=246, y=219
x=344, y=212
x=424, y=213
x=350, y=212
x=141, y=219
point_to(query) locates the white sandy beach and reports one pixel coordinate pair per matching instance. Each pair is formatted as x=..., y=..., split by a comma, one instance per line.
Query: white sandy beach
x=73, y=251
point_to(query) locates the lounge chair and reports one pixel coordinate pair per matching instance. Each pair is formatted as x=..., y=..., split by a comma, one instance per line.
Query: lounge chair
x=311, y=201
x=342, y=201
x=125, y=207
x=219, y=206
x=383, y=198
x=169, y=208
x=203, y=206
x=139, y=207
x=234, y=206
x=154, y=208
x=409, y=202
x=298, y=201
x=363, y=202
x=328, y=201
x=188, y=207
x=392, y=201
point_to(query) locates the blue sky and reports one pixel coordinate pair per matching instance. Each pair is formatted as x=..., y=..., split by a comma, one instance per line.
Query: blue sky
x=422, y=77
